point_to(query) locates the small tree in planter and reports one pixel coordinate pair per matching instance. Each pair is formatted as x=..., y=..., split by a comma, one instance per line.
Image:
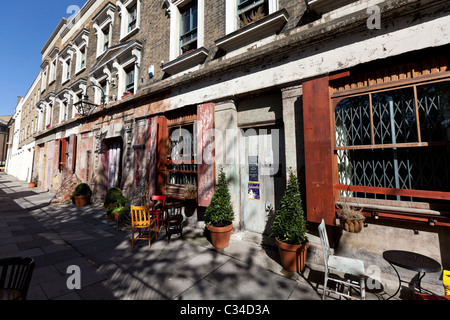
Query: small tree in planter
x=289, y=227
x=115, y=202
x=219, y=215
x=82, y=195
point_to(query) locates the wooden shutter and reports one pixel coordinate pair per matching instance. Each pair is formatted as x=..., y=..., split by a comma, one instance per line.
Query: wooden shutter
x=206, y=174
x=162, y=150
x=151, y=147
x=318, y=151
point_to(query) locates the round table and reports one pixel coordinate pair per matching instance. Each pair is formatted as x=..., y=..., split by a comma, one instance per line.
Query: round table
x=411, y=261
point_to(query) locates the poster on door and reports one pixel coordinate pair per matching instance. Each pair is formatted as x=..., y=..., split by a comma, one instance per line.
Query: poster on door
x=253, y=191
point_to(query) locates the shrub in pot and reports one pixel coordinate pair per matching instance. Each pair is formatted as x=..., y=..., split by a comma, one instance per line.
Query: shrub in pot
x=114, y=199
x=219, y=215
x=82, y=195
x=289, y=228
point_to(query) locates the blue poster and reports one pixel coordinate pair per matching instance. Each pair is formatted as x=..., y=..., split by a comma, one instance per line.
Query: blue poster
x=253, y=191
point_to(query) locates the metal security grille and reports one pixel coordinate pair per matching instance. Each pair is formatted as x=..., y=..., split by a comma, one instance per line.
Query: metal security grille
x=397, y=139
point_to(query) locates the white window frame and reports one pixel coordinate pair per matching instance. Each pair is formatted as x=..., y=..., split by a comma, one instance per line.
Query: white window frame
x=231, y=16
x=80, y=44
x=121, y=67
x=175, y=22
x=125, y=6
x=53, y=70
x=104, y=22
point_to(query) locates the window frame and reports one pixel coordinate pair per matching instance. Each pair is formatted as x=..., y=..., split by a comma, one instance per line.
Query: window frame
x=179, y=123
x=413, y=193
x=184, y=33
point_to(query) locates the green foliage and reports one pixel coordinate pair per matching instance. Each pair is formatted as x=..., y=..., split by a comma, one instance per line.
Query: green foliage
x=82, y=189
x=290, y=223
x=115, y=196
x=220, y=212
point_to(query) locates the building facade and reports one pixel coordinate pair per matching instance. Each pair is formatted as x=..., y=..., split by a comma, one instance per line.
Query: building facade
x=353, y=96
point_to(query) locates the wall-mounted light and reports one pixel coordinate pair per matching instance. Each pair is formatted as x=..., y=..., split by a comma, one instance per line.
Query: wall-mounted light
x=376, y=215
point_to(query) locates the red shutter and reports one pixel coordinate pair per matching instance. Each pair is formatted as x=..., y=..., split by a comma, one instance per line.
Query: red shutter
x=73, y=143
x=151, y=147
x=162, y=150
x=318, y=151
x=206, y=174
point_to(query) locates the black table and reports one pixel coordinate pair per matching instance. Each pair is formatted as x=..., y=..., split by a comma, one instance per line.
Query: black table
x=411, y=261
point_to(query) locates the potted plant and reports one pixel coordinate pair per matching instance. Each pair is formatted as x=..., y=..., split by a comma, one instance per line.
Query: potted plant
x=114, y=199
x=219, y=215
x=126, y=94
x=289, y=228
x=350, y=220
x=82, y=195
x=33, y=182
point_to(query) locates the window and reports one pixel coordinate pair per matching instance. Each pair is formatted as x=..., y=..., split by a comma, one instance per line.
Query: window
x=188, y=28
x=249, y=11
x=102, y=24
x=129, y=79
x=132, y=18
x=105, y=35
x=53, y=70
x=395, y=139
x=182, y=151
x=82, y=59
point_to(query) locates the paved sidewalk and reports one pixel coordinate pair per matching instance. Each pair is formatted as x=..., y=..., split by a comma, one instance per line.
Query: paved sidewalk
x=186, y=269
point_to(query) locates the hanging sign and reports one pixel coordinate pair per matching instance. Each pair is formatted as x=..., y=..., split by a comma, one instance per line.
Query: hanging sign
x=253, y=191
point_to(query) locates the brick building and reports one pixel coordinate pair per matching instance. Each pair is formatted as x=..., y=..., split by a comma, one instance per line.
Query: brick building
x=352, y=95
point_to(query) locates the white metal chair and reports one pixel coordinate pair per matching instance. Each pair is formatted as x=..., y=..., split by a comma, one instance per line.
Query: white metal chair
x=345, y=265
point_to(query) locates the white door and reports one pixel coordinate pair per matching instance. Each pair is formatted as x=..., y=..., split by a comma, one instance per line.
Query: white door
x=259, y=172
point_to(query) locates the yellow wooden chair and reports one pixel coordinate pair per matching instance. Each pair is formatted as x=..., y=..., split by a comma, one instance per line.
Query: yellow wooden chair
x=446, y=282
x=141, y=221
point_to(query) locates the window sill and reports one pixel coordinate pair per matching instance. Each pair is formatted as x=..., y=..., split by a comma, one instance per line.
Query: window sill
x=80, y=71
x=269, y=25
x=186, y=61
x=130, y=34
x=65, y=81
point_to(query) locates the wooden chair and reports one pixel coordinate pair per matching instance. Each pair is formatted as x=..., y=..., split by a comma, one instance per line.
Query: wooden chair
x=142, y=222
x=174, y=221
x=157, y=211
x=15, y=277
x=345, y=265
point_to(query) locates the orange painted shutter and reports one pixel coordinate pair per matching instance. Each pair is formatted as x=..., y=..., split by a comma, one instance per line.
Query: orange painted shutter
x=318, y=151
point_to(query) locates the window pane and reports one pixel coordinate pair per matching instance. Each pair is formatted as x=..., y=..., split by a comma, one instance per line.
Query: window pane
x=352, y=120
x=434, y=111
x=394, y=116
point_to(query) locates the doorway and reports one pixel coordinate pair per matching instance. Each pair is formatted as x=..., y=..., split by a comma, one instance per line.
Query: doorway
x=262, y=175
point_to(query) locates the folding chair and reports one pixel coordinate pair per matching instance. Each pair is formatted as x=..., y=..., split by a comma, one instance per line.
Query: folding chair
x=15, y=277
x=157, y=211
x=142, y=222
x=345, y=265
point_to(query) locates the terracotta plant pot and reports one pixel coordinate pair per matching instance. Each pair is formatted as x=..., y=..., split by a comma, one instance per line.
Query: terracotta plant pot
x=293, y=256
x=81, y=201
x=220, y=236
x=32, y=185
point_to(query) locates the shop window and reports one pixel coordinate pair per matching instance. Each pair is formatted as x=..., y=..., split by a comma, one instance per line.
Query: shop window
x=182, y=151
x=395, y=139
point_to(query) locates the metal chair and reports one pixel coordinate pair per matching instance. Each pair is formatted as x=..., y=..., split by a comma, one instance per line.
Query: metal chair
x=345, y=265
x=157, y=211
x=142, y=221
x=15, y=277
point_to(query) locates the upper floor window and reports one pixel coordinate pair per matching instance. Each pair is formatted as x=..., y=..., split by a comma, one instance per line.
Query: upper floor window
x=130, y=17
x=249, y=11
x=103, y=22
x=188, y=28
x=129, y=79
x=80, y=45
